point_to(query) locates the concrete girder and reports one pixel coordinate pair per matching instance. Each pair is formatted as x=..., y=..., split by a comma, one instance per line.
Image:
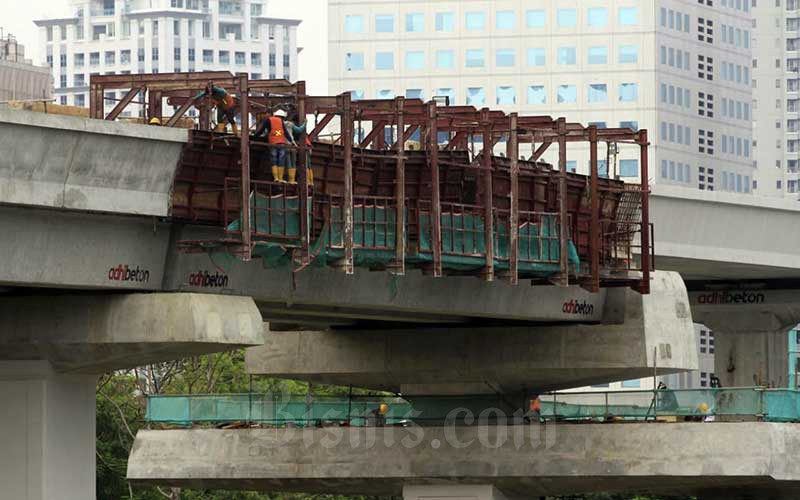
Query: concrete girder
x=507, y=359
x=93, y=334
x=77, y=163
x=522, y=460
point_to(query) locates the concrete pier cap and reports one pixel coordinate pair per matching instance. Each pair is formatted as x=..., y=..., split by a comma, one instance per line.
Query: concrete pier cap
x=640, y=334
x=98, y=333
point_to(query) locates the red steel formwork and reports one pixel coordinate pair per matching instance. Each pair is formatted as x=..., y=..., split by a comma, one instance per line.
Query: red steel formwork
x=440, y=182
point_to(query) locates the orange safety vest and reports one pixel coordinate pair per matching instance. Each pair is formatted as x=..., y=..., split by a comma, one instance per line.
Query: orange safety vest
x=226, y=102
x=276, y=133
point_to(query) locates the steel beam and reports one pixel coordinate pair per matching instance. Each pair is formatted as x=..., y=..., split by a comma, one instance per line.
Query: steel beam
x=488, y=199
x=436, y=203
x=562, y=202
x=244, y=93
x=347, y=143
x=594, y=229
x=400, y=191
x=302, y=178
x=512, y=152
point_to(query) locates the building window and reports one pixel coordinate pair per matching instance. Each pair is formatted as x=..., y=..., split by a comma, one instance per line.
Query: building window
x=536, y=94
x=475, y=21
x=78, y=60
x=384, y=24
x=475, y=58
x=629, y=16
x=384, y=60
x=356, y=95
x=567, y=18
x=630, y=124
x=567, y=55
x=225, y=57
x=385, y=94
x=567, y=94
x=239, y=58
x=505, y=58
x=598, y=55
x=208, y=56
x=110, y=57
x=125, y=57
x=63, y=81
x=445, y=22
x=354, y=24
x=628, y=92
x=78, y=80
x=94, y=59
x=630, y=168
x=598, y=92
x=534, y=19
x=354, y=61
x=80, y=100
x=415, y=22
x=536, y=56
x=631, y=384
x=598, y=17
x=476, y=96
x=255, y=58
x=505, y=20
x=415, y=60
x=506, y=95
x=449, y=93
x=628, y=54
x=445, y=59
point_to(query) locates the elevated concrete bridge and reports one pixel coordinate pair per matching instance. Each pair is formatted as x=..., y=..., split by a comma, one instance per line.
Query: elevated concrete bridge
x=86, y=204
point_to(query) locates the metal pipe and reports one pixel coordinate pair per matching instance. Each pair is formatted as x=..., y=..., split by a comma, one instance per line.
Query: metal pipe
x=436, y=208
x=512, y=152
x=594, y=230
x=347, y=144
x=302, y=177
x=400, y=191
x=645, y=234
x=488, y=201
x=562, y=201
x=244, y=93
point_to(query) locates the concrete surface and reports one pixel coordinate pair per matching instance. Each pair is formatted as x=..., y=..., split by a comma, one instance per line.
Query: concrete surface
x=83, y=164
x=452, y=492
x=47, y=433
x=524, y=461
x=713, y=235
x=744, y=359
x=45, y=248
x=98, y=333
x=510, y=359
x=325, y=296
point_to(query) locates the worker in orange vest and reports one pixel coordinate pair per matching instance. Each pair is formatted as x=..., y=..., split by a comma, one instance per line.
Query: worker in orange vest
x=275, y=129
x=226, y=107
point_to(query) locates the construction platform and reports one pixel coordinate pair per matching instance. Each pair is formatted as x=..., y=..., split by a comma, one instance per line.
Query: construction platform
x=398, y=184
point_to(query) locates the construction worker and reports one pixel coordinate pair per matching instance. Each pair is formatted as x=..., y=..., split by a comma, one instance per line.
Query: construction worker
x=275, y=129
x=155, y=121
x=226, y=107
x=294, y=131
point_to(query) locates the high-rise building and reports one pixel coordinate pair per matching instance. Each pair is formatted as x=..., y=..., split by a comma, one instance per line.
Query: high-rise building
x=680, y=68
x=776, y=97
x=163, y=36
x=19, y=78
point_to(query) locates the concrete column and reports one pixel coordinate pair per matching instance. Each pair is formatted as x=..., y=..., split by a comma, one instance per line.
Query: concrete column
x=452, y=492
x=744, y=359
x=47, y=432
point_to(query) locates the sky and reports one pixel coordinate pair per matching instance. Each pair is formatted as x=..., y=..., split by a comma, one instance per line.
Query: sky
x=312, y=34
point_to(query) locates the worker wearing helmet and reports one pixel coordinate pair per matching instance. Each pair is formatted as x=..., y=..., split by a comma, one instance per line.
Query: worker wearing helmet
x=226, y=107
x=155, y=121
x=274, y=127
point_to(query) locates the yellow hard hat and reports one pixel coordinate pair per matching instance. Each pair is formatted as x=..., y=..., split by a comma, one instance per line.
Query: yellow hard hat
x=155, y=121
x=702, y=408
x=383, y=409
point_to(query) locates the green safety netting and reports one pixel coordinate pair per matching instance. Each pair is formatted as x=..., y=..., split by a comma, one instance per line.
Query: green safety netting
x=779, y=405
x=463, y=241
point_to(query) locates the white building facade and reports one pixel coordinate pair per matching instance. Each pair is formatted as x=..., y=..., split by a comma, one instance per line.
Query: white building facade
x=163, y=36
x=679, y=68
x=776, y=88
